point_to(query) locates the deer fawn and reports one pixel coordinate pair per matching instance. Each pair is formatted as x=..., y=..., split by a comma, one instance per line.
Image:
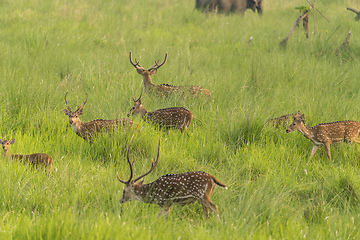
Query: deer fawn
x=183, y=189
x=36, y=159
x=283, y=121
x=177, y=117
x=166, y=90
x=91, y=129
x=327, y=133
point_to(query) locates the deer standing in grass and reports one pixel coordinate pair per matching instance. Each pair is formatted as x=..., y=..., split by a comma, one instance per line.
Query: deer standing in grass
x=327, y=133
x=91, y=129
x=284, y=120
x=166, y=90
x=35, y=159
x=175, y=117
x=182, y=189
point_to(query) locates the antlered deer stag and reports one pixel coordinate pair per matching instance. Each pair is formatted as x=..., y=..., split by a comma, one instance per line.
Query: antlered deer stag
x=166, y=90
x=91, y=129
x=35, y=159
x=182, y=189
x=327, y=133
x=175, y=117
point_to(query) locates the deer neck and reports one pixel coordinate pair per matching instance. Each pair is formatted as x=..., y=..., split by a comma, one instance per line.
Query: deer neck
x=143, y=193
x=144, y=114
x=148, y=84
x=77, y=126
x=7, y=154
x=307, y=132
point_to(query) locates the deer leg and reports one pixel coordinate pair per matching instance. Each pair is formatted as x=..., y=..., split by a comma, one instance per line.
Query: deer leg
x=327, y=147
x=186, y=131
x=313, y=150
x=165, y=211
x=355, y=140
x=206, y=204
x=206, y=211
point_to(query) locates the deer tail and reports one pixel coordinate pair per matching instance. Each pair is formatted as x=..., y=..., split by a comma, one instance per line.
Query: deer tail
x=219, y=183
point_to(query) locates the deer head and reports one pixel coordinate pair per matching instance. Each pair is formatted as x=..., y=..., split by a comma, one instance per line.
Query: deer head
x=295, y=125
x=74, y=116
x=131, y=185
x=138, y=108
x=5, y=145
x=150, y=71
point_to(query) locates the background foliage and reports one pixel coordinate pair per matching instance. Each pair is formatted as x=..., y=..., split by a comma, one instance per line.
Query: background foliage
x=275, y=191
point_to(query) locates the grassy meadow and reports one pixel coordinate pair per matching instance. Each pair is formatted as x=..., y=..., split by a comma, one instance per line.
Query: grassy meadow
x=275, y=191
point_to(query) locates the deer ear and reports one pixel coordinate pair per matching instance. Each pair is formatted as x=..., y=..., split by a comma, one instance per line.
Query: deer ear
x=80, y=112
x=298, y=119
x=67, y=112
x=140, y=71
x=153, y=71
x=12, y=141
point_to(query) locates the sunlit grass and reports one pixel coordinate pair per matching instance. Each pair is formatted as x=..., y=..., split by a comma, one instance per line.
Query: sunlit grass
x=48, y=48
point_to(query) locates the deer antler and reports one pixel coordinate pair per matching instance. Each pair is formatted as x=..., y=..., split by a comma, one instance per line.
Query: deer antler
x=83, y=104
x=157, y=66
x=153, y=165
x=139, y=97
x=130, y=164
x=136, y=64
x=67, y=104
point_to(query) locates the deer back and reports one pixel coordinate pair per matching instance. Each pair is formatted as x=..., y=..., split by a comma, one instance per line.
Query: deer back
x=35, y=159
x=171, y=117
x=336, y=131
x=94, y=127
x=184, y=188
x=167, y=90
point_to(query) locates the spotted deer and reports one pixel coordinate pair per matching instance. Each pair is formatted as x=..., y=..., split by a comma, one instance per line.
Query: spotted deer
x=175, y=117
x=169, y=189
x=327, y=133
x=35, y=159
x=283, y=121
x=166, y=90
x=91, y=129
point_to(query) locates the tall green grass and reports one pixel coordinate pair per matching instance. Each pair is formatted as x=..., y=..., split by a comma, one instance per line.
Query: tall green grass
x=48, y=48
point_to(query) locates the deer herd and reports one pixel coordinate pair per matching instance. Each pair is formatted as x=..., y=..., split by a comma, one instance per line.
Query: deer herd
x=183, y=188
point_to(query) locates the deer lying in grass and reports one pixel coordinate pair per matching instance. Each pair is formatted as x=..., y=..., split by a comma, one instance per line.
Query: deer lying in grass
x=91, y=129
x=175, y=117
x=283, y=121
x=166, y=90
x=36, y=159
x=327, y=133
x=182, y=189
